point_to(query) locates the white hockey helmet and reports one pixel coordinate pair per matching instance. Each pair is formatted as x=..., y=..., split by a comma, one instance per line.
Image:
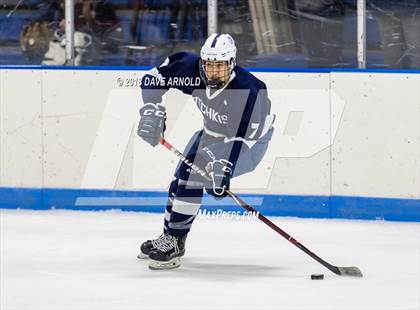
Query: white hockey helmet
x=218, y=47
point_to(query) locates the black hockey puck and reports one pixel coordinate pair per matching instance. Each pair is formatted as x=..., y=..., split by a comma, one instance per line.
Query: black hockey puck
x=317, y=276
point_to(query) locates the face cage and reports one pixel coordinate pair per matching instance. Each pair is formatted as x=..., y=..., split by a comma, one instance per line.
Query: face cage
x=215, y=83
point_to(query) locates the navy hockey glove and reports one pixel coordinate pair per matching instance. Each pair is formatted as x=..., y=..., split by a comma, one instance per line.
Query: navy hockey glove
x=152, y=123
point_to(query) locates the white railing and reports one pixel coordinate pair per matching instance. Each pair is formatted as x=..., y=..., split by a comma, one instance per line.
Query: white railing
x=69, y=21
x=361, y=33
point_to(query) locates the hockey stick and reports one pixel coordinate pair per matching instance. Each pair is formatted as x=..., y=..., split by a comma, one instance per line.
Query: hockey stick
x=342, y=271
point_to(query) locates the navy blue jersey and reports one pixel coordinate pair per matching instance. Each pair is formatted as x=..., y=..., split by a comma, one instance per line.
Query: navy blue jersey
x=238, y=113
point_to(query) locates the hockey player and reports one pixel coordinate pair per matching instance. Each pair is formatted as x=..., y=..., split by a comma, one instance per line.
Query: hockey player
x=237, y=129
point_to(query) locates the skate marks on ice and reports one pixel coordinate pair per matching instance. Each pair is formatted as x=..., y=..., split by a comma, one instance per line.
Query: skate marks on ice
x=216, y=270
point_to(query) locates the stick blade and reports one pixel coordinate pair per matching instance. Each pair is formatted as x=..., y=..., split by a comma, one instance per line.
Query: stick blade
x=350, y=272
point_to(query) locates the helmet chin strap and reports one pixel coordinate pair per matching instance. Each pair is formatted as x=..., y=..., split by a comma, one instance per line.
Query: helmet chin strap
x=216, y=84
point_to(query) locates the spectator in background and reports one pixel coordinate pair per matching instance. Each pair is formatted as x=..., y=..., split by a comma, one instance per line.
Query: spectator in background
x=95, y=16
x=35, y=36
x=99, y=19
x=97, y=32
x=51, y=11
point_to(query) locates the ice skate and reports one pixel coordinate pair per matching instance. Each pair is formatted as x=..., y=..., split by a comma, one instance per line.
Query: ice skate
x=147, y=246
x=167, y=252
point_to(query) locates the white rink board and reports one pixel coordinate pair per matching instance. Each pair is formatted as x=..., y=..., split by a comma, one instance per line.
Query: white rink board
x=86, y=136
x=376, y=150
x=294, y=170
x=21, y=141
x=73, y=113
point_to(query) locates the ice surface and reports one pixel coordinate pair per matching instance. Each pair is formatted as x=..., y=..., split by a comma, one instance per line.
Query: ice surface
x=87, y=260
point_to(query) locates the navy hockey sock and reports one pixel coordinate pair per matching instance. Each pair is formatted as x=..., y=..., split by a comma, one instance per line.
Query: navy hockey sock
x=171, y=195
x=184, y=207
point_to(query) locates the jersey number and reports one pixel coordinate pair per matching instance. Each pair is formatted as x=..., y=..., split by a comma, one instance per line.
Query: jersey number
x=255, y=127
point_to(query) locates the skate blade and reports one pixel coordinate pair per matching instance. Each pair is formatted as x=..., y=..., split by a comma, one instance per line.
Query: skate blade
x=172, y=264
x=142, y=256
